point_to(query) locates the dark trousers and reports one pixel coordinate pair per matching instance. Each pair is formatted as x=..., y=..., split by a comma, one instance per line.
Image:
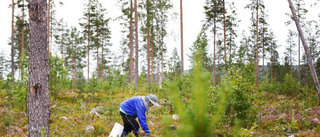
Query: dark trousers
x=130, y=124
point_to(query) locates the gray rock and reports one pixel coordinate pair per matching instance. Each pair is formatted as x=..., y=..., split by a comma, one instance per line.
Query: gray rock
x=89, y=129
x=175, y=117
x=173, y=127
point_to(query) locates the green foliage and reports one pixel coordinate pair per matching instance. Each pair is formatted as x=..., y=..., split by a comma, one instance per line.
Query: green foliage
x=185, y=84
x=293, y=125
x=199, y=49
x=239, y=105
x=290, y=86
x=196, y=121
x=247, y=132
x=94, y=84
x=2, y=82
x=58, y=77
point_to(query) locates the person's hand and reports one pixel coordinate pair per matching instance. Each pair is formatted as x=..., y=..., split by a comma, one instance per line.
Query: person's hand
x=147, y=135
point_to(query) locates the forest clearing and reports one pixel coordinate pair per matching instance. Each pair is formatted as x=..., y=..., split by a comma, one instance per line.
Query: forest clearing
x=81, y=80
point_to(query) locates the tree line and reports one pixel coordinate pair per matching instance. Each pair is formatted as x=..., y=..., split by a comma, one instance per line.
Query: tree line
x=32, y=38
x=76, y=46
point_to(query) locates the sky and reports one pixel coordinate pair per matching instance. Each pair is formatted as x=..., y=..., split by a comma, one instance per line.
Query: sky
x=193, y=16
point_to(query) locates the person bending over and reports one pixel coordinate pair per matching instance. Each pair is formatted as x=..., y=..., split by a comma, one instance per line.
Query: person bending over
x=135, y=107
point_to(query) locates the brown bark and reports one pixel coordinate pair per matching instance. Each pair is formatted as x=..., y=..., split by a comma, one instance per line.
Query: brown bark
x=181, y=25
x=271, y=66
x=224, y=31
x=98, y=68
x=22, y=32
x=152, y=52
x=102, y=62
x=137, y=46
x=22, y=42
x=38, y=93
x=73, y=71
x=214, y=50
x=299, y=73
x=257, y=47
x=148, y=43
x=12, y=40
x=88, y=80
x=161, y=63
x=263, y=72
x=62, y=46
x=49, y=26
x=131, y=46
x=306, y=49
x=97, y=45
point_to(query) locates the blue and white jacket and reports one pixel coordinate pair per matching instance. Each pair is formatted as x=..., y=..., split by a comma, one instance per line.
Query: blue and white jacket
x=135, y=107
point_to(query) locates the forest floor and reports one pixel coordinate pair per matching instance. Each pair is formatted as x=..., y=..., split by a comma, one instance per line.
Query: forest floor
x=95, y=114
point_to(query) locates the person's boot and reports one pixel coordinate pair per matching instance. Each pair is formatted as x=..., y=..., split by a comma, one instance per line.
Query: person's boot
x=124, y=134
x=136, y=133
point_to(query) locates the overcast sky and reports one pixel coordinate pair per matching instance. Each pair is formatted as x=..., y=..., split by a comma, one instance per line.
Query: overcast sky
x=193, y=12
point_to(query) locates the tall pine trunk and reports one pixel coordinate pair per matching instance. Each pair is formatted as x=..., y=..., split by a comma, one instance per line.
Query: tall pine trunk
x=38, y=93
x=181, y=25
x=49, y=26
x=97, y=45
x=12, y=41
x=257, y=46
x=137, y=46
x=22, y=31
x=224, y=31
x=88, y=80
x=306, y=49
x=152, y=57
x=263, y=72
x=214, y=50
x=148, y=43
x=161, y=62
x=73, y=72
x=22, y=42
x=299, y=73
x=131, y=44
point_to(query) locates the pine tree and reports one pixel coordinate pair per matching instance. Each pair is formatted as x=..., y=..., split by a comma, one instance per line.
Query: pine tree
x=301, y=16
x=231, y=24
x=243, y=51
x=161, y=18
x=21, y=40
x=60, y=37
x=273, y=56
x=181, y=35
x=174, y=65
x=199, y=49
x=213, y=12
x=75, y=52
x=53, y=23
x=3, y=64
x=256, y=7
x=101, y=35
x=289, y=53
x=86, y=24
x=12, y=39
x=127, y=23
x=137, y=43
x=38, y=94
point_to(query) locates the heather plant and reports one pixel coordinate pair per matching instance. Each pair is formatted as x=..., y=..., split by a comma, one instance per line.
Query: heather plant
x=293, y=125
